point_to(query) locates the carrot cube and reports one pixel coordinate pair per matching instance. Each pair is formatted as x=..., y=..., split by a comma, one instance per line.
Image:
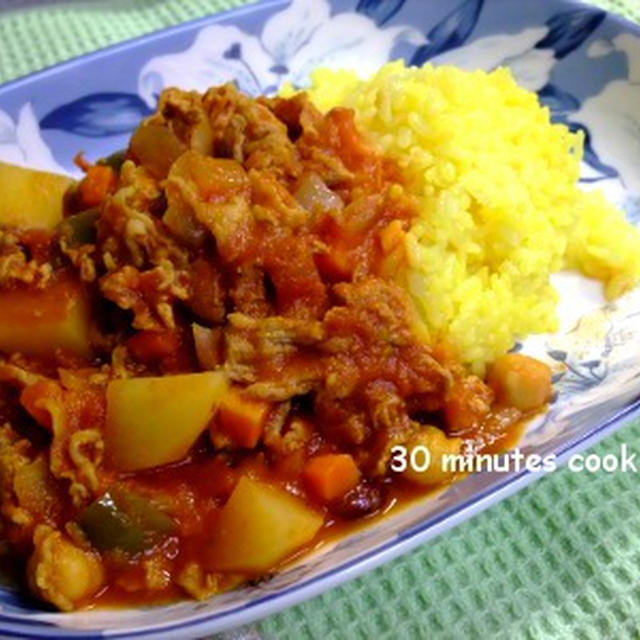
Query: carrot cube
x=241, y=419
x=330, y=476
x=94, y=187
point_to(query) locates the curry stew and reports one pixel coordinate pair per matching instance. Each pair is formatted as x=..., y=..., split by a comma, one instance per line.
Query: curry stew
x=208, y=354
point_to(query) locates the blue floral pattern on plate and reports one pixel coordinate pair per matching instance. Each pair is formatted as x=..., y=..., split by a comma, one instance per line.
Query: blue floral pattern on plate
x=98, y=115
x=585, y=66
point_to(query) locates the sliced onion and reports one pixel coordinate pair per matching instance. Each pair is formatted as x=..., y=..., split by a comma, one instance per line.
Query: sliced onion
x=361, y=214
x=155, y=148
x=315, y=196
x=207, y=343
x=182, y=222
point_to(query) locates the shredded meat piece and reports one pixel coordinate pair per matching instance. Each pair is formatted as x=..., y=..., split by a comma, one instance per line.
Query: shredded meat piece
x=149, y=294
x=282, y=440
x=128, y=232
x=61, y=572
x=248, y=292
x=17, y=267
x=390, y=420
x=14, y=453
x=29, y=494
x=273, y=203
x=83, y=258
x=298, y=113
x=183, y=113
x=370, y=337
x=86, y=449
x=264, y=353
x=247, y=130
x=317, y=140
x=295, y=381
x=75, y=455
x=16, y=374
x=373, y=362
x=197, y=582
x=217, y=194
x=342, y=419
x=275, y=336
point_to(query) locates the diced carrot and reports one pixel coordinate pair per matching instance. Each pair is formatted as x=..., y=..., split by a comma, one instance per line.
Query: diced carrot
x=150, y=346
x=34, y=397
x=330, y=476
x=94, y=187
x=241, y=418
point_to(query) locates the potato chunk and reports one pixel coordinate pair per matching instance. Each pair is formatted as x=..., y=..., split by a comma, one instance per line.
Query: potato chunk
x=155, y=421
x=31, y=198
x=36, y=322
x=258, y=527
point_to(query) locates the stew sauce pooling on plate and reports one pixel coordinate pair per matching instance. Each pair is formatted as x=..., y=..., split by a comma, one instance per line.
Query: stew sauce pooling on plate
x=208, y=363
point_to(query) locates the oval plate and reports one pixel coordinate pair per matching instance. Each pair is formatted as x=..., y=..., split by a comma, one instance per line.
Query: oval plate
x=585, y=66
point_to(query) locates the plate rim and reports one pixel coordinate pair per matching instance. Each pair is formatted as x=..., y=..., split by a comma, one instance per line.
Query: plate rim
x=157, y=34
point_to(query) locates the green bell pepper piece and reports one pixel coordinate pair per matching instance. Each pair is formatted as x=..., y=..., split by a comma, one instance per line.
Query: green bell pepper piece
x=122, y=519
x=80, y=228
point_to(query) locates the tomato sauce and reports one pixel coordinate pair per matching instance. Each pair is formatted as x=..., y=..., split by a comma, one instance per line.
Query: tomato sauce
x=253, y=250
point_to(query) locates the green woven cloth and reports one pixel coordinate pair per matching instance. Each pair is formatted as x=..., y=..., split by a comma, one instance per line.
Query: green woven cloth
x=560, y=559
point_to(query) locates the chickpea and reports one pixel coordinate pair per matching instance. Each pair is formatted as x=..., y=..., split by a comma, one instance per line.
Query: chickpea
x=61, y=573
x=520, y=381
x=438, y=445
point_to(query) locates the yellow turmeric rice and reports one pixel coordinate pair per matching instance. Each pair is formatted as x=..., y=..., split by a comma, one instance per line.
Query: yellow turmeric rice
x=500, y=209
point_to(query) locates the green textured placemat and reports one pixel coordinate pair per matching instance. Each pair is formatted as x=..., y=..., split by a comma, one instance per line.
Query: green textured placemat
x=560, y=559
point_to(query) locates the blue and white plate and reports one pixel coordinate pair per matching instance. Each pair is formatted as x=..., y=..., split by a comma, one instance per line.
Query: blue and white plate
x=584, y=64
